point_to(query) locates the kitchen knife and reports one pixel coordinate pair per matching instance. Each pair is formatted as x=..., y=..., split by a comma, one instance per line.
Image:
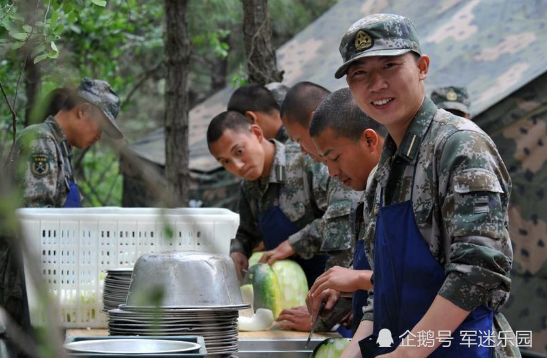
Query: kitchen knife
x=315, y=323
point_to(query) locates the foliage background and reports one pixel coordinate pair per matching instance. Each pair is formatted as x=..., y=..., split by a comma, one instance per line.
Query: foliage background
x=121, y=41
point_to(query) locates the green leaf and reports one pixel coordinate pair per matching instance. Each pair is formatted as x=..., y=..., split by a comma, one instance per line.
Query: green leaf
x=17, y=17
x=17, y=45
x=67, y=7
x=72, y=17
x=54, y=18
x=59, y=29
x=39, y=49
x=27, y=28
x=53, y=54
x=40, y=58
x=54, y=47
x=101, y=3
x=19, y=36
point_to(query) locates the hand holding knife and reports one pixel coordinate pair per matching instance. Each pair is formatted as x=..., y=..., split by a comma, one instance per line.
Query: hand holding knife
x=315, y=323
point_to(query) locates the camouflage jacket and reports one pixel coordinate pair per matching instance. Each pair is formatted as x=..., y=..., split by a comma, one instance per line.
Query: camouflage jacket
x=460, y=201
x=281, y=135
x=301, y=187
x=336, y=226
x=42, y=162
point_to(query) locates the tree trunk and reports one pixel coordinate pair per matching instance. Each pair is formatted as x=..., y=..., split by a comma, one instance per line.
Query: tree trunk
x=219, y=71
x=33, y=78
x=177, y=50
x=261, y=61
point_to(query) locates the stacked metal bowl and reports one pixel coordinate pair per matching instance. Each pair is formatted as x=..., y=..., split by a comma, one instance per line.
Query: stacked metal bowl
x=116, y=287
x=182, y=293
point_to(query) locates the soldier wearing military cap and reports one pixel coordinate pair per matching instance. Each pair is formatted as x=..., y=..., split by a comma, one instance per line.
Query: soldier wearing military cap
x=436, y=210
x=452, y=99
x=41, y=159
x=43, y=152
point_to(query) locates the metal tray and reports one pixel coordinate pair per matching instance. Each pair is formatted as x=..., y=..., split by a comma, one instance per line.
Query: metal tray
x=132, y=346
x=276, y=348
x=195, y=339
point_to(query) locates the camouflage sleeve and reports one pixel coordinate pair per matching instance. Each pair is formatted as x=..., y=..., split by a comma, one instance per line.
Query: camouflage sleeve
x=342, y=308
x=475, y=220
x=338, y=221
x=368, y=310
x=248, y=234
x=307, y=242
x=38, y=170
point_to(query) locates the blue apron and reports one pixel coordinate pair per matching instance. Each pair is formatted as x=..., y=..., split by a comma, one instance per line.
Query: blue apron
x=359, y=298
x=275, y=228
x=407, y=279
x=73, y=199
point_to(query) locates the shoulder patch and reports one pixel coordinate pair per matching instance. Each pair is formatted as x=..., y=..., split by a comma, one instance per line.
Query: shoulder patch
x=40, y=163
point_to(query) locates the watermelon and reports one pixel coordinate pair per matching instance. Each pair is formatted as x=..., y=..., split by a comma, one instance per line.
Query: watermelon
x=330, y=348
x=265, y=288
x=292, y=282
x=253, y=260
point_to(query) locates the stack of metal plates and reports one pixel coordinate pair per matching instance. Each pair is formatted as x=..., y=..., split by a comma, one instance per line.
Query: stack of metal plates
x=217, y=325
x=116, y=287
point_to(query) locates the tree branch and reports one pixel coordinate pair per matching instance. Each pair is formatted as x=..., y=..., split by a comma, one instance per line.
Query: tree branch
x=7, y=11
x=13, y=119
x=140, y=82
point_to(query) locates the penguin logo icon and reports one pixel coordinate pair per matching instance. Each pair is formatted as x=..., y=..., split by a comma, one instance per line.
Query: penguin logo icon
x=384, y=338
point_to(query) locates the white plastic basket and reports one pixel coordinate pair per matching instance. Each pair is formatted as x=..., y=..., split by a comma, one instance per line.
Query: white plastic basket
x=75, y=248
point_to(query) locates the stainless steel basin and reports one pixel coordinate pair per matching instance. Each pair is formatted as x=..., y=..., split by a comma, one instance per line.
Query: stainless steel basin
x=184, y=280
x=280, y=348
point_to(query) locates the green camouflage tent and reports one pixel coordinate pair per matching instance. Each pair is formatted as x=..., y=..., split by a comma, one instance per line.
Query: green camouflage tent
x=498, y=50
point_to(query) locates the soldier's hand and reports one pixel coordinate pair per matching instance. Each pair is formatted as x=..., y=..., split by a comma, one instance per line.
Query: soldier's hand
x=342, y=280
x=347, y=320
x=241, y=263
x=281, y=252
x=330, y=297
x=296, y=318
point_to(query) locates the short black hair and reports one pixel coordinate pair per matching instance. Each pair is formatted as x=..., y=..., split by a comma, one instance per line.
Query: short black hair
x=302, y=99
x=252, y=97
x=340, y=113
x=61, y=98
x=224, y=121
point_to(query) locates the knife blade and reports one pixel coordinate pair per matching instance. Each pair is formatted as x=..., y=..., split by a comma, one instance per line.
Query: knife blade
x=314, y=323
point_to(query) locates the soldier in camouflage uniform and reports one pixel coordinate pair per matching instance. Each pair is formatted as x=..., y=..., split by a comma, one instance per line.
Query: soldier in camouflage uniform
x=295, y=188
x=299, y=105
x=297, y=109
x=42, y=153
x=452, y=99
x=351, y=143
x=258, y=104
x=437, y=234
x=41, y=165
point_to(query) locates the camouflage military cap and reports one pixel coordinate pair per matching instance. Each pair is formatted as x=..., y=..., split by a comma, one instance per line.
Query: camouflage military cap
x=103, y=96
x=451, y=97
x=377, y=35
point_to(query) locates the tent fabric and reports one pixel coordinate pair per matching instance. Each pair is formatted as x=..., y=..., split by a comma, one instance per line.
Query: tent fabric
x=518, y=126
x=495, y=48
